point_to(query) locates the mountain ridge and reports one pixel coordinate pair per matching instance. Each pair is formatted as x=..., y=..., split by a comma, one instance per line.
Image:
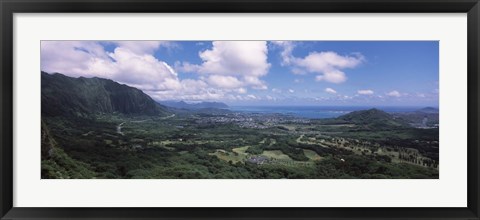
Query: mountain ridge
x=64, y=95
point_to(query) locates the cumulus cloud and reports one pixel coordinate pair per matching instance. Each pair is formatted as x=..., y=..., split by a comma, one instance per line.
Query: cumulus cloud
x=246, y=61
x=228, y=82
x=333, y=77
x=88, y=59
x=327, y=64
x=192, y=90
x=144, y=47
x=268, y=97
x=242, y=90
x=365, y=92
x=286, y=53
x=394, y=93
x=275, y=90
x=228, y=70
x=330, y=90
x=185, y=67
x=131, y=63
x=75, y=58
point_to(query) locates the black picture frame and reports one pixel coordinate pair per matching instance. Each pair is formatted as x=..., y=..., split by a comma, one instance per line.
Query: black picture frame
x=9, y=7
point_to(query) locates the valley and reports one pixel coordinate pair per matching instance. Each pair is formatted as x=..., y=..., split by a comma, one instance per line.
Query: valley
x=222, y=146
x=141, y=139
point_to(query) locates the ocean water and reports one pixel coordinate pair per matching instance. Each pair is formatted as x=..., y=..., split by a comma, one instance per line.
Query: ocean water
x=317, y=111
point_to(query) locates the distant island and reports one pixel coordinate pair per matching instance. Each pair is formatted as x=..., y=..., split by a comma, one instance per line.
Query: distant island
x=428, y=110
x=98, y=128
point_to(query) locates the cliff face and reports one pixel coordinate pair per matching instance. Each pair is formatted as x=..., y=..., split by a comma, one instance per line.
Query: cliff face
x=63, y=95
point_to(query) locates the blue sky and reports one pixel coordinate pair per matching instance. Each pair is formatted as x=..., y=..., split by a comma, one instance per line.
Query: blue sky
x=352, y=73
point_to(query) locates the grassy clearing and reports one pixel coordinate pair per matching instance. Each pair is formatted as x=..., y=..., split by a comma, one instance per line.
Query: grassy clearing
x=382, y=151
x=289, y=127
x=278, y=158
x=167, y=142
x=241, y=150
x=304, y=140
x=272, y=141
x=312, y=155
x=276, y=154
x=235, y=157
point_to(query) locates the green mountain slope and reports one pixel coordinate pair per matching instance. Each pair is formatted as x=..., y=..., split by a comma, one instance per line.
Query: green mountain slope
x=372, y=118
x=56, y=164
x=63, y=95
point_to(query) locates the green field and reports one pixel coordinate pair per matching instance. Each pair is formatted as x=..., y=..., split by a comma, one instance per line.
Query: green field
x=186, y=146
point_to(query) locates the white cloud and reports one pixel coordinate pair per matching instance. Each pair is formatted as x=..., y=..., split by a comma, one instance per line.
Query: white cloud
x=129, y=64
x=144, y=47
x=327, y=64
x=244, y=60
x=298, y=71
x=228, y=82
x=286, y=52
x=330, y=90
x=242, y=90
x=136, y=69
x=193, y=90
x=298, y=80
x=365, y=92
x=72, y=57
x=275, y=90
x=394, y=93
x=328, y=61
x=255, y=82
x=333, y=77
x=89, y=59
x=270, y=98
x=291, y=90
x=185, y=67
x=228, y=67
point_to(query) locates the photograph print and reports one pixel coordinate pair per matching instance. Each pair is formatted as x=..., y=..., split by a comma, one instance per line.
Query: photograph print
x=239, y=109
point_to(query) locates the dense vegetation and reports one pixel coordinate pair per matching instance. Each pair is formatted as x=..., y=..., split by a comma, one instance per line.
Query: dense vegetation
x=95, y=135
x=181, y=148
x=63, y=95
